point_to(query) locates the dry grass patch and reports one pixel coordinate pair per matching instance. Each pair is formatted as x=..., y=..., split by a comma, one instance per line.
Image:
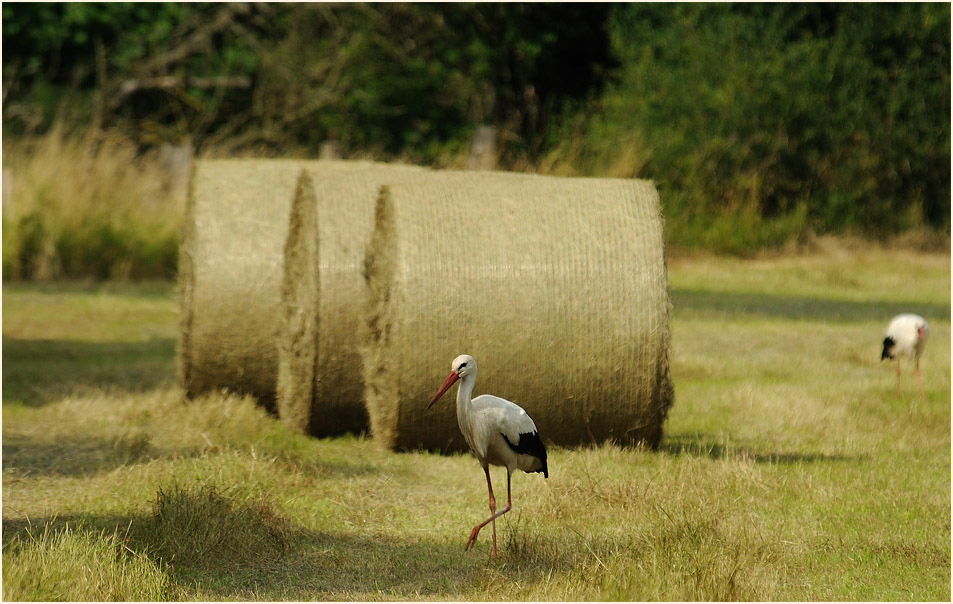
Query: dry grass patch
x=203, y=528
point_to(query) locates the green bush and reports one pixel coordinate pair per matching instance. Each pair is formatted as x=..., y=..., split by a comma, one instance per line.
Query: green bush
x=398, y=79
x=761, y=121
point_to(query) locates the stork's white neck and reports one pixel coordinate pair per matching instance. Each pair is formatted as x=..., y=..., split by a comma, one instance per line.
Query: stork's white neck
x=465, y=395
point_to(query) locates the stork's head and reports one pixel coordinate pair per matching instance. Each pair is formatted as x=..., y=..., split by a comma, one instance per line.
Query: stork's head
x=461, y=367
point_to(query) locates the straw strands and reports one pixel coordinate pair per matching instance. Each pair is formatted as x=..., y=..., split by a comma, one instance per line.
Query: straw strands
x=557, y=287
x=320, y=387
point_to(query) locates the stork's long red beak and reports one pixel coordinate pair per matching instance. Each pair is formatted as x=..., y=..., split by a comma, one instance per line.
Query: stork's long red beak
x=453, y=377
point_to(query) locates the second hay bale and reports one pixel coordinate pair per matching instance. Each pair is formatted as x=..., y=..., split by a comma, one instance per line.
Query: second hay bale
x=557, y=286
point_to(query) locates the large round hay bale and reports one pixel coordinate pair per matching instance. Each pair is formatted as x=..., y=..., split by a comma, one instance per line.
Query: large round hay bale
x=229, y=273
x=230, y=269
x=319, y=386
x=557, y=286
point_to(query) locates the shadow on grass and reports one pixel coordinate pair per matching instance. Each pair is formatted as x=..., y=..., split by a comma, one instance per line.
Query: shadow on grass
x=302, y=565
x=796, y=307
x=36, y=372
x=714, y=448
x=146, y=289
x=77, y=456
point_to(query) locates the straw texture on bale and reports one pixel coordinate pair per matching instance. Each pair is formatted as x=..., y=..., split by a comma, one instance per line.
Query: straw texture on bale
x=229, y=274
x=320, y=382
x=556, y=286
x=298, y=325
x=230, y=270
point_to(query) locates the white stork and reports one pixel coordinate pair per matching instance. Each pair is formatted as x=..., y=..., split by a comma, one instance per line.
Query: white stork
x=906, y=335
x=499, y=432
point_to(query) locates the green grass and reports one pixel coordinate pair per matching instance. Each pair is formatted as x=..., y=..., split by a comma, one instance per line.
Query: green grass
x=790, y=469
x=77, y=564
x=61, y=339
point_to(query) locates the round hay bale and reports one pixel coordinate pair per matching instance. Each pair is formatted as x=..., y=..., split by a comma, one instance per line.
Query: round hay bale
x=557, y=286
x=319, y=386
x=230, y=270
x=229, y=260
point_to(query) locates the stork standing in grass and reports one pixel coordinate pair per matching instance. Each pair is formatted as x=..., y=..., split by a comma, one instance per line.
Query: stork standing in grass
x=906, y=335
x=499, y=432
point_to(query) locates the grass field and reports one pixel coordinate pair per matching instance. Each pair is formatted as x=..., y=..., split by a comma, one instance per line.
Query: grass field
x=790, y=469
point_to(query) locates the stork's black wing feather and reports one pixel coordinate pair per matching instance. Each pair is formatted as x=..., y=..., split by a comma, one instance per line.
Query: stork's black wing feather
x=530, y=444
x=888, y=348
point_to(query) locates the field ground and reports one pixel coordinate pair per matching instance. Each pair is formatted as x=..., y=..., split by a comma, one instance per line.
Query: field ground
x=790, y=469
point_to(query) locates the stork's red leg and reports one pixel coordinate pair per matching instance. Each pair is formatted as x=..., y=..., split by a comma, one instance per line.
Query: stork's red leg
x=898, y=376
x=489, y=487
x=493, y=522
x=494, y=515
x=476, y=530
x=916, y=372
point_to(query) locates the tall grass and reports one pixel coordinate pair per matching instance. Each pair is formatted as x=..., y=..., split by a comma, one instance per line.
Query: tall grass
x=193, y=532
x=86, y=206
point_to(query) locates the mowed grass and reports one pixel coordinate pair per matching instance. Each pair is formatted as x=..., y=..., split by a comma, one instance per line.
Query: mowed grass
x=790, y=469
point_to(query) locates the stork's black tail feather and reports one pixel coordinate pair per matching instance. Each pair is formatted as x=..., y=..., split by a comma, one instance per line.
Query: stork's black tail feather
x=888, y=348
x=530, y=444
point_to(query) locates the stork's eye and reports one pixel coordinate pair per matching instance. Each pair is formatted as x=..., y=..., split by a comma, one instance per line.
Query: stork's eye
x=462, y=365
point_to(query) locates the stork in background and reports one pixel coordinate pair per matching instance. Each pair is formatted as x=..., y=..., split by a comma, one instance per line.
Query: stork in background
x=499, y=432
x=906, y=336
